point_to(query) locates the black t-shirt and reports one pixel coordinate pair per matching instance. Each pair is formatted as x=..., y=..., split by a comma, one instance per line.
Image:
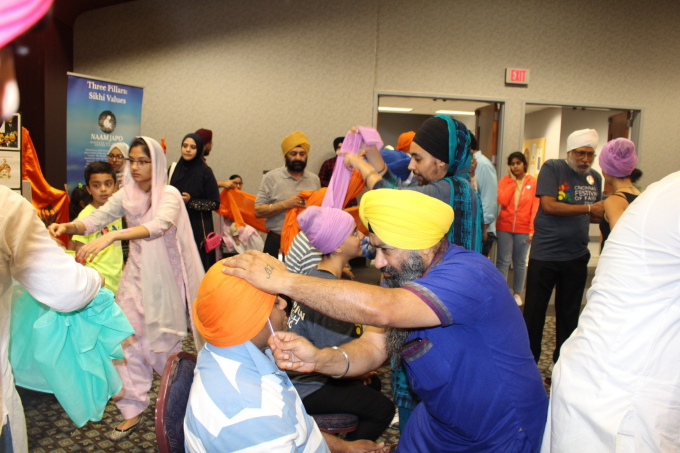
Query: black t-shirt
x=322, y=331
x=559, y=238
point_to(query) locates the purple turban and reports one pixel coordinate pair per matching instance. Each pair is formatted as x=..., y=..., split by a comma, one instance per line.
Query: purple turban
x=618, y=158
x=326, y=228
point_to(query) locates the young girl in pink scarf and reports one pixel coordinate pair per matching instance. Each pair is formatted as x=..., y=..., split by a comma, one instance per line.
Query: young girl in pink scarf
x=161, y=277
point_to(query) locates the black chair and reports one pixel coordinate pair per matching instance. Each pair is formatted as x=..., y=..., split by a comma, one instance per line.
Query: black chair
x=173, y=397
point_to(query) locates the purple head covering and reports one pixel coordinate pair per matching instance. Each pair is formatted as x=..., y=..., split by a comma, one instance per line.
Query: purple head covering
x=618, y=158
x=326, y=228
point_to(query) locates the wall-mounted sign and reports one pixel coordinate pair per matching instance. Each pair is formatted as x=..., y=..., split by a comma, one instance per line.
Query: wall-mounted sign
x=517, y=76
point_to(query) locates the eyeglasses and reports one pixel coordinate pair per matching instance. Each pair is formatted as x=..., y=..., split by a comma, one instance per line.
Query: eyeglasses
x=140, y=162
x=238, y=184
x=588, y=154
x=115, y=157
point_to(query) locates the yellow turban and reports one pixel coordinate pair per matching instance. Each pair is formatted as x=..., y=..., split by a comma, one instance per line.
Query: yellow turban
x=297, y=138
x=228, y=310
x=406, y=219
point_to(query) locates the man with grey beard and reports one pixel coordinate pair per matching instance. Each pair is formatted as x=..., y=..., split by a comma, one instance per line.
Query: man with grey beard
x=450, y=318
x=570, y=192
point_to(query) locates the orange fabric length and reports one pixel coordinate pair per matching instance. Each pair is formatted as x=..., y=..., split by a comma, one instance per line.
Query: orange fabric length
x=52, y=204
x=239, y=207
x=315, y=198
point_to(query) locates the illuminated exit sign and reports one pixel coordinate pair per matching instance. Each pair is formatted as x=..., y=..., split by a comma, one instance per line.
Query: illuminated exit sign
x=517, y=76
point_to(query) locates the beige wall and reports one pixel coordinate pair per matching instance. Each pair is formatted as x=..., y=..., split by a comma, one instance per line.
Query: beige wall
x=545, y=123
x=255, y=71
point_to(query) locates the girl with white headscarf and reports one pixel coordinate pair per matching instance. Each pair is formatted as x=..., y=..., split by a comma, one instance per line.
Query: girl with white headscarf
x=117, y=155
x=161, y=277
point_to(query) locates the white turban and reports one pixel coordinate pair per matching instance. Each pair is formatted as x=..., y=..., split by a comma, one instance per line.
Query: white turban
x=584, y=137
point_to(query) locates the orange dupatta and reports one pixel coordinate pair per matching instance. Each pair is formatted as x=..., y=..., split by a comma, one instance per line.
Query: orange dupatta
x=239, y=207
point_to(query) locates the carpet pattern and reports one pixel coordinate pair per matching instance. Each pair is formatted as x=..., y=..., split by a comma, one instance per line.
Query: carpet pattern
x=51, y=430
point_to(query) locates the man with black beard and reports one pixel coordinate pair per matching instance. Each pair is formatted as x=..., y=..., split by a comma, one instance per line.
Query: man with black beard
x=452, y=322
x=570, y=192
x=279, y=188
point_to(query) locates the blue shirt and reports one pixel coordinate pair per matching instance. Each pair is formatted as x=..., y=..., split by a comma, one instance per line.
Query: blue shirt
x=240, y=400
x=480, y=386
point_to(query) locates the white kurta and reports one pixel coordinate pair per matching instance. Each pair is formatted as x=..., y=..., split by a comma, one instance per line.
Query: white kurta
x=51, y=276
x=616, y=386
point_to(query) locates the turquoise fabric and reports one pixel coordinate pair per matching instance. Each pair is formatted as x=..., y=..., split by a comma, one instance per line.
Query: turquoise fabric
x=25, y=311
x=72, y=352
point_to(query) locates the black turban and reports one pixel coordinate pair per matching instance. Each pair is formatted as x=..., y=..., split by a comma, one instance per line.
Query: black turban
x=337, y=142
x=433, y=137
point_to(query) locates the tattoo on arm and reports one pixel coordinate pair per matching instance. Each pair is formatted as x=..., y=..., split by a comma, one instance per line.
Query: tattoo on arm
x=269, y=269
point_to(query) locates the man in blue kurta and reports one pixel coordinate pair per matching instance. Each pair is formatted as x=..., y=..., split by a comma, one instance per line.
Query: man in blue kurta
x=449, y=318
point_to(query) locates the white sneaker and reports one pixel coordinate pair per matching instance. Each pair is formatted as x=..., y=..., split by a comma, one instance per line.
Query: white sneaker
x=518, y=299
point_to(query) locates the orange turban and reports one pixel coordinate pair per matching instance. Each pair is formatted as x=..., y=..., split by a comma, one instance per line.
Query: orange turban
x=228, y=310
x=404, y=142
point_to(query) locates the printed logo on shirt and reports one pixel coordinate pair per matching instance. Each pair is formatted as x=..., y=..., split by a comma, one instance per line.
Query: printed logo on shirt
x=296, y=315
x=577, y=194
x=105, y=230
x=587, y=194
x=564, y=192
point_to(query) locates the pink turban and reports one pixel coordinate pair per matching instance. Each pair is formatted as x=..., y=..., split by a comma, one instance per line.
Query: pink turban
x=326, y=228
x=17, y=16
x=618, y=158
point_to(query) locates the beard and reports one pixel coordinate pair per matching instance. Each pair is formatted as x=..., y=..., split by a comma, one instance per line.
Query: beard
x=411, y=269
x=296, y=165
x=572, y=164
x=394, y=342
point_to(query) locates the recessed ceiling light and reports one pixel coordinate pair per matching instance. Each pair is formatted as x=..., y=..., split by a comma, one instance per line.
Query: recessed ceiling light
x=394, y=109
x=454, y=112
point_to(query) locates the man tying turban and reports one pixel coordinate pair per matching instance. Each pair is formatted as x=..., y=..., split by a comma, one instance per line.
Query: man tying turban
x=570, y=192
x=441, y=160
x=334, y=233
x=280, y=187
x=239, y=399
x=449, y=316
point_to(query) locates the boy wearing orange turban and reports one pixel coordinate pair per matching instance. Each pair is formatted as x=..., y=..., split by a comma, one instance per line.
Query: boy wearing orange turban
x=239, y=398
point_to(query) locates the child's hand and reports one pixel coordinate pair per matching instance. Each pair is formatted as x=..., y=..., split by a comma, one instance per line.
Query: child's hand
x=92, y=248
x=57, y=229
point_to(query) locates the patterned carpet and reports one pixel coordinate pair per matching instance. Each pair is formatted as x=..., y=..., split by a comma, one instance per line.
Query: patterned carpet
x=51, y=430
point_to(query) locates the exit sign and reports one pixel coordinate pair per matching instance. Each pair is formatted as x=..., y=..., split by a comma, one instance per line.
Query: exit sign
x=517, y=76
